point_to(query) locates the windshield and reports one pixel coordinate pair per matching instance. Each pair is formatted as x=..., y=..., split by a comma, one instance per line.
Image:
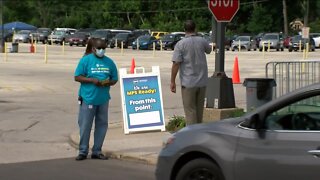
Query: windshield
x=242, y=38
x=144, y=38
x=99, y=33
x=43, y=30
x=296, y=38
x=23, y=32
x=270, y=36
x=59, y=32
x=121, y=36
x=167, y=38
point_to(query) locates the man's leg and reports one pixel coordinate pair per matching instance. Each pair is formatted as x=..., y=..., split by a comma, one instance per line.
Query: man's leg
x=201, y=93
x=85, y=119
x=101, y=126
x=189, y=104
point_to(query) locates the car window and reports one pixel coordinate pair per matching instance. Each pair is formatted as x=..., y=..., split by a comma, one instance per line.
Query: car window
x=270, y=36
x=242, y=38
x=303, y=115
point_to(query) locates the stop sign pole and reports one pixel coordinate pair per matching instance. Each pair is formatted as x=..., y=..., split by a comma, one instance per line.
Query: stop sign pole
x=220, y=94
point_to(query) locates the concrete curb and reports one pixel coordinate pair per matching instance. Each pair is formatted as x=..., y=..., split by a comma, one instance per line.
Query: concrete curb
x=142, y=147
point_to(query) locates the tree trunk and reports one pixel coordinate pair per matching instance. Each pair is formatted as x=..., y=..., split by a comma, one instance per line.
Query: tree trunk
x=285, y=17
x=306, y=13
x=128, y=17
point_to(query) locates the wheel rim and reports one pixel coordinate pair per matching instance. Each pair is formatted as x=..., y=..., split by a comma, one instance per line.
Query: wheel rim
x=201, y=174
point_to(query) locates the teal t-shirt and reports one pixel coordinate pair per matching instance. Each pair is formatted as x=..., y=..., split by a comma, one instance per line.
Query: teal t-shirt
x=92, y=67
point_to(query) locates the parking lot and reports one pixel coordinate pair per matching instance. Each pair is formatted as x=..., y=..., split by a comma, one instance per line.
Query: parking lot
x=38, y=98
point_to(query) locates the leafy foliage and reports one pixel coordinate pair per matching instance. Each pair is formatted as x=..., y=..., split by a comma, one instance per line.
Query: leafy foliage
x=166, y=15
x=176, y=123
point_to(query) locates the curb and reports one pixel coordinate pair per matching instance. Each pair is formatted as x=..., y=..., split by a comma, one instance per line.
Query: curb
x=151, y=160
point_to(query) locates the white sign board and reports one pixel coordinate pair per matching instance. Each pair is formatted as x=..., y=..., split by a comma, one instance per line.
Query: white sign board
x=141, y=98
x=305, y=32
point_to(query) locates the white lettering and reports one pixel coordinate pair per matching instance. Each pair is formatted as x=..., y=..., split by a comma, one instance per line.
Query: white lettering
x=220, y=3
x=132, y=102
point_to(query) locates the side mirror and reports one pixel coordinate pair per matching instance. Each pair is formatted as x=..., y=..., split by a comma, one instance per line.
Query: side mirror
x=256, y=122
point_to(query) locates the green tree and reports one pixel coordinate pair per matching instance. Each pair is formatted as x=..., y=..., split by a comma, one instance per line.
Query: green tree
x=260, y=21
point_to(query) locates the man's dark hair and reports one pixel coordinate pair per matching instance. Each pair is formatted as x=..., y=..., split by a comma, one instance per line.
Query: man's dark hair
x=189, y=26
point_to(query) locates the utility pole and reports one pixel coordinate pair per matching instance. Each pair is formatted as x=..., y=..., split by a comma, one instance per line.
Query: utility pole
x=285, y=17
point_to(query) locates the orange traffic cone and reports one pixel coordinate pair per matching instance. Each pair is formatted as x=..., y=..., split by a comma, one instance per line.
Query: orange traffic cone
x=236, y=75
x=133, y=65
x=31, y=48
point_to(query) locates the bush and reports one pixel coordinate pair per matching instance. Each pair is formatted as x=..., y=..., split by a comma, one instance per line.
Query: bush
x=176, y=123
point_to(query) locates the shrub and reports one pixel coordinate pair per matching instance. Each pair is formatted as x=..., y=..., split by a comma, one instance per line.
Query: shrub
x=176, y=123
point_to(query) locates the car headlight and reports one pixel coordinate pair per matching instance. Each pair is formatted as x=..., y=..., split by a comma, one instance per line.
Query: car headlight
x=145, y=43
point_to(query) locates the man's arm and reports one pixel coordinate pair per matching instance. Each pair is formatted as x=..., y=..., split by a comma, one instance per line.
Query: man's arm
x=174, y=71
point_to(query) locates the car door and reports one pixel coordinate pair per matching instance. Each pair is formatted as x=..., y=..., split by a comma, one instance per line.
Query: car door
x=289, y=148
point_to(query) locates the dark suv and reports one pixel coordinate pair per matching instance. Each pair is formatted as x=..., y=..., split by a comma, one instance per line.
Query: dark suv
x=42, y=34
x=294, y=45
x=126, y=38
x=169, y=41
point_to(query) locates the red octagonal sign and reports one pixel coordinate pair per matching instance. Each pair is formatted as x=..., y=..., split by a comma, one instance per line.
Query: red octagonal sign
x=224, y=10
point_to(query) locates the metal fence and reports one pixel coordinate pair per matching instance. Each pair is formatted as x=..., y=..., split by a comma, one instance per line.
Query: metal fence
x=291, y=75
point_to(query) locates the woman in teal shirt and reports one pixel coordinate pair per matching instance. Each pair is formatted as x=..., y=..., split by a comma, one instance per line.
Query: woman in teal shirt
x=96, y=73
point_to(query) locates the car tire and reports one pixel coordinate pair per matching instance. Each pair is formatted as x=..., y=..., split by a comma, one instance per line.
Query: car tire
x=204, y=168
x=290, y=50
x=260, y=49
x=70, y=44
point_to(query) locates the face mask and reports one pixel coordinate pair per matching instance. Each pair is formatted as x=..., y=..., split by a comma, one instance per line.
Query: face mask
x=100, y=52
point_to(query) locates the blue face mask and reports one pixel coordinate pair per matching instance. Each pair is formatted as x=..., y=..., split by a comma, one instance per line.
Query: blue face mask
x=100, y=52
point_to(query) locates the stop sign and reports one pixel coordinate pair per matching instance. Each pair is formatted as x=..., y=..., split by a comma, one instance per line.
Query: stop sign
x=224, y=10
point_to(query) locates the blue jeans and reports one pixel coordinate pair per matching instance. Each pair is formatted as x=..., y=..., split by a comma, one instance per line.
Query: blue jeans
x=88, y=113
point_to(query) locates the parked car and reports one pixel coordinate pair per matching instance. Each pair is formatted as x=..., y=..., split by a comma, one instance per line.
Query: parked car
x=59, y=35
x=279, y=140
x=139, y=32
x=316, y=38
x=7, y=35
x=22, y=36
x=42, y=34
x=158, y=34
x=181, y=34
x=258, y=38
x=107, y=34
x=169, y=41
x=145, y=42
x=274, y=40
x=78, y=38
x=126, y=38
x=294, y=45
x=103, y=34
x=245, y=42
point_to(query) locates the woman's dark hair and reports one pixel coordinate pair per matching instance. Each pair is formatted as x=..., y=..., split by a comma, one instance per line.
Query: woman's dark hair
x=189, y=26
x=89, y=47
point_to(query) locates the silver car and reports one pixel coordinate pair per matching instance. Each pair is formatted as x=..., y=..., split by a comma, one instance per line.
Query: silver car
x=279, y=140
x=22, y=36
x=272, y=41
x=245, y=42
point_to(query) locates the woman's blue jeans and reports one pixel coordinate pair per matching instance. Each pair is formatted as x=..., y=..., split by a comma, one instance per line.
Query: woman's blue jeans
x=88, y=113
